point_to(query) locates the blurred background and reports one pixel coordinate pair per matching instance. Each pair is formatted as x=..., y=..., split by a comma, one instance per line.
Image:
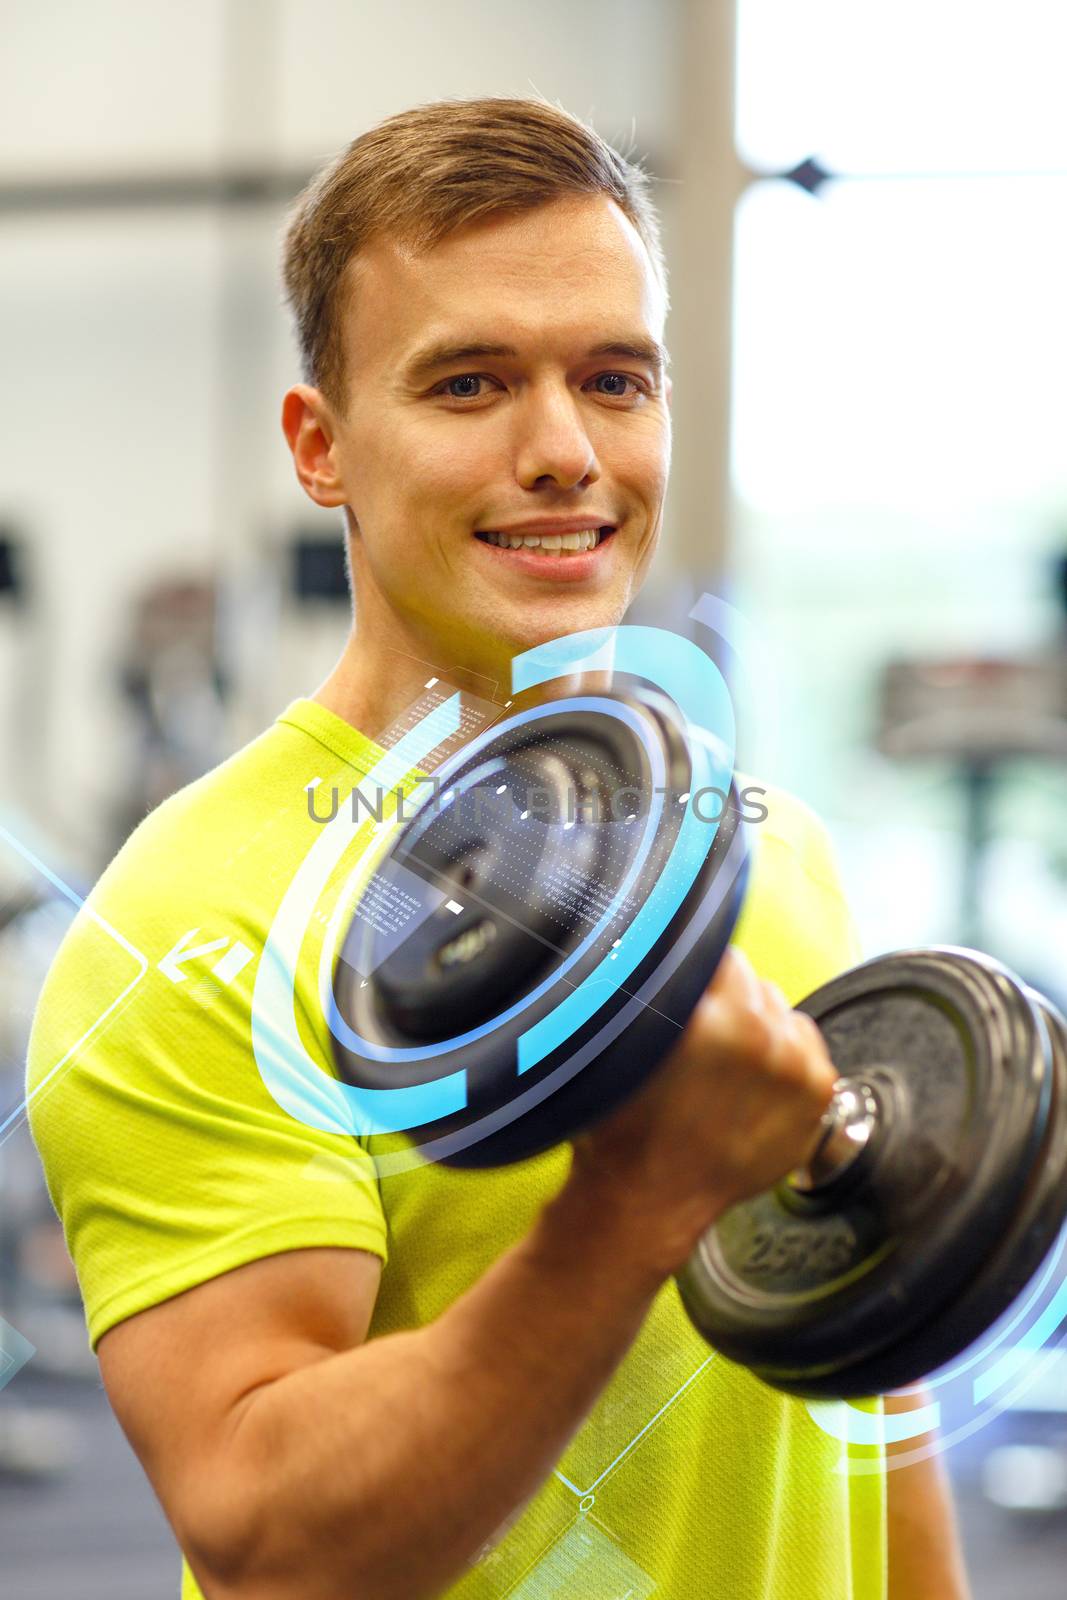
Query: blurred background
x=864, y=210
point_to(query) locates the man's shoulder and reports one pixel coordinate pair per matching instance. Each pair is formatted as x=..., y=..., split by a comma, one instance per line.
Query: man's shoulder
x=218, y=806
x=210, y=862
x=784, y=822
x=229, y=830
x=795, y=923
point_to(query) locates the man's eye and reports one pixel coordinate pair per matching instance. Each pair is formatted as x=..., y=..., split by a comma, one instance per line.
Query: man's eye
x=465, y=387
x=619, y=380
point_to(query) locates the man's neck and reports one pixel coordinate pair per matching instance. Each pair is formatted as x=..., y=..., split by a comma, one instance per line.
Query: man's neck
x=370, y=688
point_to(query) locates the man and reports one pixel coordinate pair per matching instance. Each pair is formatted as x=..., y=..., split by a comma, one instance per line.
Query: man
x=346, y=1384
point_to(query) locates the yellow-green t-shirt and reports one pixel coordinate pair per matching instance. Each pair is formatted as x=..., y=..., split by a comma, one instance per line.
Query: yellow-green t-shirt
x=170, y=1161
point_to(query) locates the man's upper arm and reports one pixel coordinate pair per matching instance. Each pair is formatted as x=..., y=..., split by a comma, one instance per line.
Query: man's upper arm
x=179, y=1374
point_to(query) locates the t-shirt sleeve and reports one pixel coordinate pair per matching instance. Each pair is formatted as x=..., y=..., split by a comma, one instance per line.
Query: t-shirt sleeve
x=166, y=1157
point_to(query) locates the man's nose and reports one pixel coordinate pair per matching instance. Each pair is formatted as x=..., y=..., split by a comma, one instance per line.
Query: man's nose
x=553, y=442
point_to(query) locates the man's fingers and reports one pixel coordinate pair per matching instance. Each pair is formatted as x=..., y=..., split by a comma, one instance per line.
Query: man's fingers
x=775, y=1001
x=735, y=978
x=753, y=1015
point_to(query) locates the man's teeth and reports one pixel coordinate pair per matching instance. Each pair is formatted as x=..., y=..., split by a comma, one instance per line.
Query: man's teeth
x=585, y=539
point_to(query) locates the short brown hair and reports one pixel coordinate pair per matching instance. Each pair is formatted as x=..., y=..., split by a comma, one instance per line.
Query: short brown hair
x=420, y=175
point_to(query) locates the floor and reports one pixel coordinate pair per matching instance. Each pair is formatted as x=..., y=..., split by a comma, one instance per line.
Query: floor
x=96, y=1532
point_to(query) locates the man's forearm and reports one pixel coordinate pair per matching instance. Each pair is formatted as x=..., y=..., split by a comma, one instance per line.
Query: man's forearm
x=382, y=1471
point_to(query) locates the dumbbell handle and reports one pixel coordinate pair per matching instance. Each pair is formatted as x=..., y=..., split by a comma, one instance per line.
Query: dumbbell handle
x=844, y=1133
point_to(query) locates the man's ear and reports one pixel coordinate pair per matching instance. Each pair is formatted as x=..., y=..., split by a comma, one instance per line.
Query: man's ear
x=308, y=425
x=668, y=387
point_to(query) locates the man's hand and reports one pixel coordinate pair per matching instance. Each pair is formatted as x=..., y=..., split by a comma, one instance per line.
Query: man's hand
x=735, y=1106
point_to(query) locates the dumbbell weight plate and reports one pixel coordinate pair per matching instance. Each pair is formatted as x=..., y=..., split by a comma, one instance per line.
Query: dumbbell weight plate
x=885, y=1273
x=524, y=918
x=1034, y=1229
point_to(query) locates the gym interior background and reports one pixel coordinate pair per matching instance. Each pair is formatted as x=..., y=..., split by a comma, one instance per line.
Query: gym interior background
x=865, y=213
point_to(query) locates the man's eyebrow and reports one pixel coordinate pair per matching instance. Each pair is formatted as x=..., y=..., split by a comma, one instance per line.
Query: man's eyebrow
x=649, y=351
x=442, y=354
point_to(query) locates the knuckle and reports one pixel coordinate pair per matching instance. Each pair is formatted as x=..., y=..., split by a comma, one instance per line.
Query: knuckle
x=790, y=1066
x=774, y=996
x=737, y=1023
x=809, y=1027
x=755, y=1031
x=810, y=1035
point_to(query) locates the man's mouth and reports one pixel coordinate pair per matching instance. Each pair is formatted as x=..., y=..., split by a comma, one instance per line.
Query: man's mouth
x=576, y=542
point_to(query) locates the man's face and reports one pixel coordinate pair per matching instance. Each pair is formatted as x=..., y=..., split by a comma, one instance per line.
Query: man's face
x=505, y=381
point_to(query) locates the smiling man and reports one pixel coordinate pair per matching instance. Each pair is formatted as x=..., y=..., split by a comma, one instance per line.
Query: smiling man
x=349, y=1382
x=495, y=424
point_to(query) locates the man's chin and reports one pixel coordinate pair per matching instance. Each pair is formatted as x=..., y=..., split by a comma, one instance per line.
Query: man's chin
x=538, y=622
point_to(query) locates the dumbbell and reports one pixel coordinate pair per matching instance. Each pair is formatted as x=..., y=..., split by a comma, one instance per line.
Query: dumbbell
x=937, y=1188
x=525, y=954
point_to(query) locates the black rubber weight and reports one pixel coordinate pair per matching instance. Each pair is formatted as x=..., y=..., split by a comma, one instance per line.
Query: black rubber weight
x=531, y=891
x=909, y=1258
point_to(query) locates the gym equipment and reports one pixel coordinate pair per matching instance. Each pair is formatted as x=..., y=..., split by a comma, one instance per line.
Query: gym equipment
x=983, y=715
x=939, y=1182
x=935, y=1192
x=561, y=918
